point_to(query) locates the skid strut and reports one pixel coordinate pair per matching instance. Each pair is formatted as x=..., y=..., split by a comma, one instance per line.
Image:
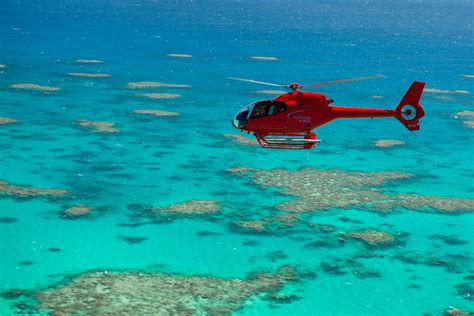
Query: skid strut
x=305, y=141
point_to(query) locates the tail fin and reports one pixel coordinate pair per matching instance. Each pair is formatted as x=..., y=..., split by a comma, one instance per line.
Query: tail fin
x=409, y=110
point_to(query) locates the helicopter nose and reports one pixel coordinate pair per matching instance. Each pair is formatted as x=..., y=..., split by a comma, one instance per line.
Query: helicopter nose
x=240, y=119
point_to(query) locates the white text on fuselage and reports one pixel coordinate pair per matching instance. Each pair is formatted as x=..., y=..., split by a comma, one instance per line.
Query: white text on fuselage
x=300, y=118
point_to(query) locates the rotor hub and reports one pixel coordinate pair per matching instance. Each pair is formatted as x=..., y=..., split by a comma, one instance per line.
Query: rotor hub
x=294, y=86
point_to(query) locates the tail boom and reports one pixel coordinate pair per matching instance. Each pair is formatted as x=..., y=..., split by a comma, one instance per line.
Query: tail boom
x=408, y=111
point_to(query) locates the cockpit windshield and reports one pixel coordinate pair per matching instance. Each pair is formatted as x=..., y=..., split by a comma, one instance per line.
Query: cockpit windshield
x=257, y=110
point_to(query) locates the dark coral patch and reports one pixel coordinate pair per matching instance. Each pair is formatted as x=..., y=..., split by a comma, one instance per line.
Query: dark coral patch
x=8, y=220
x=452, y=239
x=332, y=268
x=132, y=240
x=206, y=233
x=274, y=256
x=12, y=294
x=465, y=290
x=54, y=249
x=251, y=243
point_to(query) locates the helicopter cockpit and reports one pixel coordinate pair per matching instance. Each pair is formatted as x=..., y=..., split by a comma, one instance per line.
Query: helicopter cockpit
x=257, y=110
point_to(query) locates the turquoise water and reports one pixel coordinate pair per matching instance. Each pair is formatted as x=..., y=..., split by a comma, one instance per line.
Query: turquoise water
x=160, y=161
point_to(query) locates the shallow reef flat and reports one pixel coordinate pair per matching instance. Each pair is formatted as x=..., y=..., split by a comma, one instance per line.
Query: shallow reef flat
x=33, y=87
x=135, y=293
x=155, y=112
x=89, y=75
x=372, y=237
x=318, y=190
x=265, y=58
x=28, y=192
x=467, y=117
x=77, y=210
x=154, y=84
x=242, y=140
x=158, y=96
x=440, y=91
x=7, y=120
x=179, y=55
x=99, y=127
x=193, y=207
x=89, y=61
x=387, y=143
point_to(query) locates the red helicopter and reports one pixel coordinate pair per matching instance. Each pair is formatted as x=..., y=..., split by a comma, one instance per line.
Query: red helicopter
x=286, y=121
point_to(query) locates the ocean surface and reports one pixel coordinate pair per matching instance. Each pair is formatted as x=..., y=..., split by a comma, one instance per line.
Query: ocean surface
x=154, y=162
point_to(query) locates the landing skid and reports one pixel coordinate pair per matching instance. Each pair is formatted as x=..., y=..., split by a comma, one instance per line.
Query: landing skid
x=288, y=142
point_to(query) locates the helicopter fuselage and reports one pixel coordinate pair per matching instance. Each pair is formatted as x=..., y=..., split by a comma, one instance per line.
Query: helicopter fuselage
x=296, y=113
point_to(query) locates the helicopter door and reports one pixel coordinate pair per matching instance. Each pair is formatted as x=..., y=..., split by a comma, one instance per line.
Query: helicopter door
x=266, y=108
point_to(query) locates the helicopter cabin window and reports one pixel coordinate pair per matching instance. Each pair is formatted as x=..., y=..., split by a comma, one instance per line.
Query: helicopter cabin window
x=266, y=108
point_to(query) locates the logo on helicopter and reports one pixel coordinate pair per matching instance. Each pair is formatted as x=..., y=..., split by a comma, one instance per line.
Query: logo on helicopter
x=299, y=118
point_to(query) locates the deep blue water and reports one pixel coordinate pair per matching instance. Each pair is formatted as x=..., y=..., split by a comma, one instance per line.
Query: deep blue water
x=167, y=160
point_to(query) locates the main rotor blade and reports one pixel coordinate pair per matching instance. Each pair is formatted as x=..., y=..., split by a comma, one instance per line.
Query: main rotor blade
x=342, y=81
x=259, y=82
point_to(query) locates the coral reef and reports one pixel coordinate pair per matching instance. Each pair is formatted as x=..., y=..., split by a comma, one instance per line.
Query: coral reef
x=469, y=124
x=342, y=266
x=467, y=116
x=89, y=75
x=373, y=238
x=2, y=66
x=137, y=293
x=453, y=311
x=158, y=96
x=318, y=190
x=254, y=226
x=465, y=113
x=7, y=120
x=468, y=76
x=193, y=207
x=266, y=58
x=77, y=210
x=179, y=55
x=274, y=224
x=154, y=84
x=240, y=170
x=26, y=192
x=429, y=90
x=33, y=87
x=100, y=127
x=386, y=143
x=89, y=61
x=242, y=140
x=376, y=97
x=155, y=112
x=323, y=228
x=451, y=263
